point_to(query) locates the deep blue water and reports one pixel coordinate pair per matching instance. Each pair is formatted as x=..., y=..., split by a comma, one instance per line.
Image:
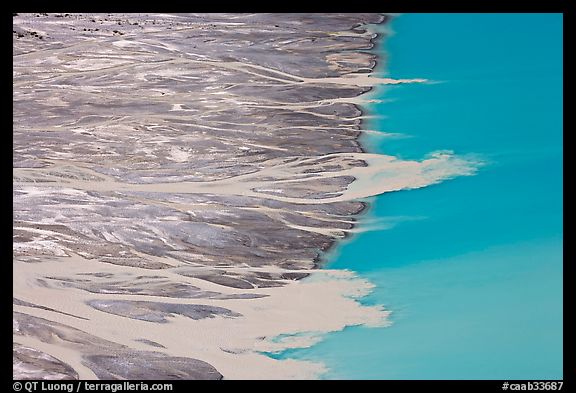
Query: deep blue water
x=472, y=271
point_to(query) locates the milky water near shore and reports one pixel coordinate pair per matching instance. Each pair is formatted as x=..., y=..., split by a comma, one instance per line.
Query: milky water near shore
x=470, y=269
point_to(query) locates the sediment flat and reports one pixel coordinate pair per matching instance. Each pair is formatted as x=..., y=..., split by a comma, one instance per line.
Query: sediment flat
x=175, y=177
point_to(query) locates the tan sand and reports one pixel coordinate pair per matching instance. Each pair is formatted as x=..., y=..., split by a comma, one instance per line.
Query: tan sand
x=300, y=307
x=383, y=174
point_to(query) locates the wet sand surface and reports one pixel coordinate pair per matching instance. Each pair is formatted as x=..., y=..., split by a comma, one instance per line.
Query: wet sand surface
x=174, y=179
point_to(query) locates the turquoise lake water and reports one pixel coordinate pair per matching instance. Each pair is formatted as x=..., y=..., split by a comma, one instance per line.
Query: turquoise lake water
x=472, y=267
